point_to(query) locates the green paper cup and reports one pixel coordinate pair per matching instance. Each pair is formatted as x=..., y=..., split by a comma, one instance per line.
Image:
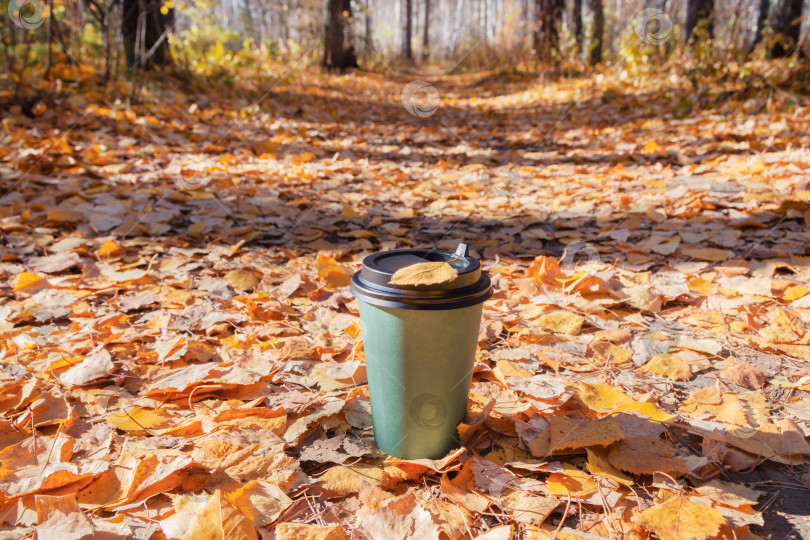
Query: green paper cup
x=419, y=342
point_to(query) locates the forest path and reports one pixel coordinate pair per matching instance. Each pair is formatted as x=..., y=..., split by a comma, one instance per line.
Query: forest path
x=175, y=282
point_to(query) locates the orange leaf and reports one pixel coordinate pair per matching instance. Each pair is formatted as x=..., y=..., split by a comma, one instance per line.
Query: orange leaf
x=333, y=273
x=28, y=282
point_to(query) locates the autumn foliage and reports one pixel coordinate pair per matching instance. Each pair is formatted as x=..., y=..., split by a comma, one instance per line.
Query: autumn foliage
x=182, y=357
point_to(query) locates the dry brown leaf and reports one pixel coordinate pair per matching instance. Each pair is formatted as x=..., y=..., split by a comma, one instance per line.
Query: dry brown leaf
x=646, y=455
x=60, y=518
x=744, y=374
x=575, y=433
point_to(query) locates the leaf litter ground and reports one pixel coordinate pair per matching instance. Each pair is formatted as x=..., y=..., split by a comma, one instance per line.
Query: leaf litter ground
x=181, y=353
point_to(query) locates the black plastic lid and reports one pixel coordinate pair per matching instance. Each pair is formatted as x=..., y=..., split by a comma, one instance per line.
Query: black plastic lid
x=370, y=284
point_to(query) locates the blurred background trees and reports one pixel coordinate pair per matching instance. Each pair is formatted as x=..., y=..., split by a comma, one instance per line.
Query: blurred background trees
x=105, y=40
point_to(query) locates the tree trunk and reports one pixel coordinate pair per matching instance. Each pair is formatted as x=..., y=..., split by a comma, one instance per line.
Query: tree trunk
x=597, y=32
x=145, y=33
x=546, y=36
x=785, y=15
x=407, y=30
x=426, y=33
x=764, y=7
x=338, y=53
x=367, y=37
x=576, y=21
x=697, y=10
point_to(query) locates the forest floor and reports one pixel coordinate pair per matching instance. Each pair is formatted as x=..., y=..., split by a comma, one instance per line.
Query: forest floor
x=181, y=351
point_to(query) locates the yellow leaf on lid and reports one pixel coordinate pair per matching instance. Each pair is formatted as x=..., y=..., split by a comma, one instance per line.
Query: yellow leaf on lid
x=426, y=273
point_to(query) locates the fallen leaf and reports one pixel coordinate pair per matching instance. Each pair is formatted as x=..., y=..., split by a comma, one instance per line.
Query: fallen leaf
x=646, y=455
x=678, y=518
x=333, y=273
x=574, y=433
x=669, y=367
x=426, y=273
x=60, y=518
x=243, y=279
x=220, y=519
x=745, y=375
x=303, y=531
x=563, y=322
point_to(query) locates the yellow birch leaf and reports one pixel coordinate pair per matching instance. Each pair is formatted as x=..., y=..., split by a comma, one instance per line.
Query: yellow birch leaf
x=604, y=398
x=220, y=519
x=574, y=481
x=599, y=465
x=426, y=273
x=138, y=419
x=243, y=279
x=563, y=322
x=343, y=480
x=794, y=293
x=668, y=366
x=678, y=518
